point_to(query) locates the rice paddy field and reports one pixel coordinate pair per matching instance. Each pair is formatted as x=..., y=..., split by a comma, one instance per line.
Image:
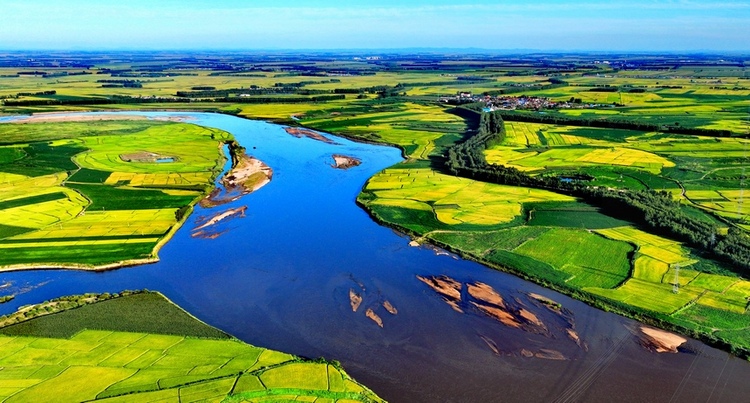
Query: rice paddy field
x=87, y=195
x=538, y=234
x=127, y=365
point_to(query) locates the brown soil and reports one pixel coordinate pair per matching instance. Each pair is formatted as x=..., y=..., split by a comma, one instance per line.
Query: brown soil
x=549, y=355
x=531, y=318
x=573, y=336
x=299, y=133
x=552, y=305
x=375, y=318
x=345, y=162
x=491, y=344
x=505, y=317
x=485, y=293
x=207, y=234
x=445, y=286
x=659, y=340
x=390, y=308
x=209, y=222
x=248, y=175
x=355, y=299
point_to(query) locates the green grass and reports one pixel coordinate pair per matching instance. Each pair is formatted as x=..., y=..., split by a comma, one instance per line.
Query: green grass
x=43, y=159
x=573, y=217
x=648, y=296
x=479, y=243
x=104, y=198
x=39, y=132
x=55, y=196
x=85, y=175
x=141, y=347
x=141, y=313
x=88, y=254
x=592, y=260
x=23, y=201
x=527, y=265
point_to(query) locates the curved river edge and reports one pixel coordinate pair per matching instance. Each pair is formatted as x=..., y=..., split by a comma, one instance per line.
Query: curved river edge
x=236, y=152
x=235, y=176
x=291, y=302
x=592, y=300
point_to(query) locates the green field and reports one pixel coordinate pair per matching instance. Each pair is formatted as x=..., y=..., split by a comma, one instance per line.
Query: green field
x=580, y=249
x=142, y=348
x=73, y=196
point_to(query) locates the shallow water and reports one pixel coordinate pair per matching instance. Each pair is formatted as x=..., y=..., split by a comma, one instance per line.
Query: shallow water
x=280, y=278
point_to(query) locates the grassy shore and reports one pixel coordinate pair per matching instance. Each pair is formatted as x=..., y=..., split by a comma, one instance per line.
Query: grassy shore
x=140, y=347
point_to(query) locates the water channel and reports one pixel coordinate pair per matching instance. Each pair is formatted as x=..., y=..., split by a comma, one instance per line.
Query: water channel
x=280, y=277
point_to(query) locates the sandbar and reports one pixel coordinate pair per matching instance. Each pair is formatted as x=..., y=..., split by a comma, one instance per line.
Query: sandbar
x=345, y=162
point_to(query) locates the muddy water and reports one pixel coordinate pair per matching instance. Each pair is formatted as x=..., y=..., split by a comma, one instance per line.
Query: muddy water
x=282, y=275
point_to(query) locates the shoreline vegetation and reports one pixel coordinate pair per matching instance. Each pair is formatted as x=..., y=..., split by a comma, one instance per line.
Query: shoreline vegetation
x=140, y=346
x=463, y=159
x=664, y=127
x=245, y=176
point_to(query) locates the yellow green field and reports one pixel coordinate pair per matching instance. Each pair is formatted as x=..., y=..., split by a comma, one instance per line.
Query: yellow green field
x=126, y=366
x=84, y=193
x=451, y=199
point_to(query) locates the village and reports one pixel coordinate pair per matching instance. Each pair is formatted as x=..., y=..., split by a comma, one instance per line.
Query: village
x=506, y=102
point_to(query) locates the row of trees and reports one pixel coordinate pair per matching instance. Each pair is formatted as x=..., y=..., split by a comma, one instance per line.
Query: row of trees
x=656, y=210
x=609, y=123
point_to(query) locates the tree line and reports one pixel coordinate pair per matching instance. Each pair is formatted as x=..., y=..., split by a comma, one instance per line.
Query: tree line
x=148, y=100
x=656, y=210
x=609, y=123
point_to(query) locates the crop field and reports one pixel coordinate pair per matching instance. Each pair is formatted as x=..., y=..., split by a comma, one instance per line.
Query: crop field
x=571, y=215
x=71, y=193
x=569, y=250
x=710, y=169
x=409, y=104
x=573, y=158
x=453, y=200
x=414, y=127
x=127, y=366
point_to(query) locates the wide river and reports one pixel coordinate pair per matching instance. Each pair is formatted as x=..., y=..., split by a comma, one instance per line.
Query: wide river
x=280, y=277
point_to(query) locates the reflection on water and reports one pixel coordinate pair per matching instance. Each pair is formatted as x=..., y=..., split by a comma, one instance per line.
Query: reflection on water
x=308, y=272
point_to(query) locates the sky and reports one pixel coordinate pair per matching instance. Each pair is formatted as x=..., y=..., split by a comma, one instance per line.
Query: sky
x=637, y=25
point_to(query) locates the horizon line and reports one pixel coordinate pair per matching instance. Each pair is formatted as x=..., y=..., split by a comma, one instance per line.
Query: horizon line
x=388, y=49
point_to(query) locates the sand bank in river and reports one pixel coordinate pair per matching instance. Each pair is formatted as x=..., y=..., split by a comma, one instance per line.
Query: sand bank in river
x=204, y=228
x=375, y=318
x=299, y=133
x=355, y=300
x=246, y=176
x=659, y=340
x=344, y=162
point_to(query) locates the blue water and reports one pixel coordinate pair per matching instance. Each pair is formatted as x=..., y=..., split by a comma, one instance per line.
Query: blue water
x=280, y=278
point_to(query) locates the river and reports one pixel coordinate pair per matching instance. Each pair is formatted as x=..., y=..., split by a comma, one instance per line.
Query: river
x=280, y=277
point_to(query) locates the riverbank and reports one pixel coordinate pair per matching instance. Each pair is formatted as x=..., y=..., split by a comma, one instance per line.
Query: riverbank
x=245, y=176
x=55, y=117
x=141, y=328
x=593, y=300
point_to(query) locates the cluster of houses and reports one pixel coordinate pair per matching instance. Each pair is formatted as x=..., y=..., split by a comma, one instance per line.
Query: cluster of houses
x=507, y=102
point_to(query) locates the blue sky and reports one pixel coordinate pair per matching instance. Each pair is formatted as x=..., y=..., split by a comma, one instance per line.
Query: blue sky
x=292, y=24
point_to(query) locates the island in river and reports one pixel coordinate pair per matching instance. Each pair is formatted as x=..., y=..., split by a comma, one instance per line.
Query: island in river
x=99, y=192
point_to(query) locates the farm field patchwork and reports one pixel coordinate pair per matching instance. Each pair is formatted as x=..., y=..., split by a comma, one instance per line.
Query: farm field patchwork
x=86, y=196
x=396, y=101
x=131, y=366
x=424, y=194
